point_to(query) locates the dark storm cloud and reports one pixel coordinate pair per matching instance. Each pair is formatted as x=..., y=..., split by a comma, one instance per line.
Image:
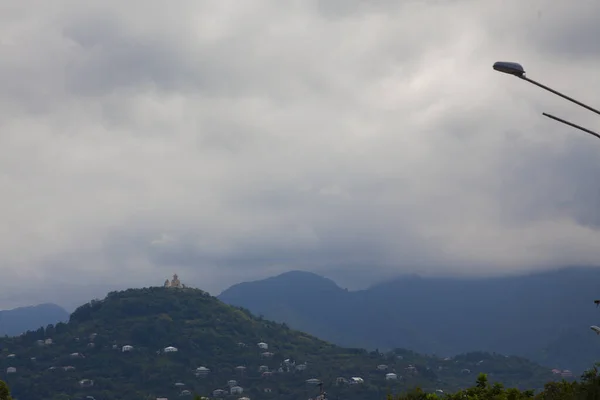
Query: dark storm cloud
x=359, y=139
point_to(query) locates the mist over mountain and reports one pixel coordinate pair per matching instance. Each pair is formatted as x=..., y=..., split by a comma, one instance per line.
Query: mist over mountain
x=22, y=319
x=544, y=316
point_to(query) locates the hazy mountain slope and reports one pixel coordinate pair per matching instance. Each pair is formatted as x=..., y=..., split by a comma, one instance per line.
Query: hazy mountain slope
x=19, y=320
x=535, y=315
x=86, y=356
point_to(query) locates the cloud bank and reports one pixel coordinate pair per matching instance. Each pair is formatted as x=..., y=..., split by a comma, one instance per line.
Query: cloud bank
x=229, y=140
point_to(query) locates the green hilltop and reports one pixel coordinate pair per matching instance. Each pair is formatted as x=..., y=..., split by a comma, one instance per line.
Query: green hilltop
x=118, y=348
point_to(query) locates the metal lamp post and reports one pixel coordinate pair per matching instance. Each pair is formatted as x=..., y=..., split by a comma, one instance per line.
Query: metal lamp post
x=516, y=69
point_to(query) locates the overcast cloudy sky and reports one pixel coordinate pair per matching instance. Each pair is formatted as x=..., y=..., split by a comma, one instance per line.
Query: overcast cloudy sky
x=230, y=140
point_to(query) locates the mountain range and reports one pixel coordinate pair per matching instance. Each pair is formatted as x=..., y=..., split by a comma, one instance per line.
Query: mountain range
x=175, y=342
x=542, y=316
x=22, y=319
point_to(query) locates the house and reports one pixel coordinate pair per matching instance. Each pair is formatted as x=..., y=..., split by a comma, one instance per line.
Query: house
x=411, y=368
x=126, y=348
x=356, y=380
x=263, y=346
x=232, y=383
x=301, y=367
x=202, y=371
x=263, y=368
x=179, y=384
x=219, y=393
x=391, y=377
x=267, y=354
x=185, y=393
x=240, y=368
x=236, y=390
x=382, y=367
x=341, y=381
x=170, y=349
x=48, y=341
x=313, y=381
x=11, y=370
x=86, y=383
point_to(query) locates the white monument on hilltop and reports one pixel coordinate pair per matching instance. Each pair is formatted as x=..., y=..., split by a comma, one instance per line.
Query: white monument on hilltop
x=174, y=283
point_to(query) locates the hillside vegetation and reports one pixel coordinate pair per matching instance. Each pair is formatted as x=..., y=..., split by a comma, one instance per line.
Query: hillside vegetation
x=217, y=344
x=543, y=316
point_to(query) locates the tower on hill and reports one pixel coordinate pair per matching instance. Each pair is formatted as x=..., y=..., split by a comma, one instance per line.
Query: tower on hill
x=174, y=283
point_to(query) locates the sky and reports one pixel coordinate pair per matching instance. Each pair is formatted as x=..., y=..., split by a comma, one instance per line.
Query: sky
x=229, y=141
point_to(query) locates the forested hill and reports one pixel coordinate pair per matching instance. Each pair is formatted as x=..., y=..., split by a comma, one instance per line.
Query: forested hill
x=165, y=342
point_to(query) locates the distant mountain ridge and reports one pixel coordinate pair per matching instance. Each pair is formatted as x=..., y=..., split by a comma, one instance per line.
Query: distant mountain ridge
x=162, y=342
x=22, y=319
x=543, y=316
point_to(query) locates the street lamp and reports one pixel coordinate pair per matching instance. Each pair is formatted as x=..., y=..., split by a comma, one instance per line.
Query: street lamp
x=516, y=69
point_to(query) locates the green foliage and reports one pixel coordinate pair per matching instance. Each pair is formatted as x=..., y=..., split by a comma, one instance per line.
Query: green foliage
x=209, y=333
x=588, y=388
x=4, y=392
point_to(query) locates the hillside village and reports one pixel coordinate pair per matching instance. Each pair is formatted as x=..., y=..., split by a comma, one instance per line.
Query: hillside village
x=176, y=341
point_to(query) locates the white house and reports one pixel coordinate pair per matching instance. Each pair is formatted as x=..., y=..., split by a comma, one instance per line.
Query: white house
x=236, y=390
x=355, y=380
x=263, y=346
x=170, y=349
x=126, y=348
x=300, y=367
x=232, y=383
x=86, y=383
x=391, y=377
x=11, y=370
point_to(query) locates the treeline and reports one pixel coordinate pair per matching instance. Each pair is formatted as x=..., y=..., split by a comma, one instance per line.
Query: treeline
x=588, y=388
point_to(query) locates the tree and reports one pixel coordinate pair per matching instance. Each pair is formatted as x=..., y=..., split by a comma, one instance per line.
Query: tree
x=4, y=392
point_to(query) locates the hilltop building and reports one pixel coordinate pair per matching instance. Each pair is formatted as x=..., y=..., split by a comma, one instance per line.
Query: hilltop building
x=174, y=283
